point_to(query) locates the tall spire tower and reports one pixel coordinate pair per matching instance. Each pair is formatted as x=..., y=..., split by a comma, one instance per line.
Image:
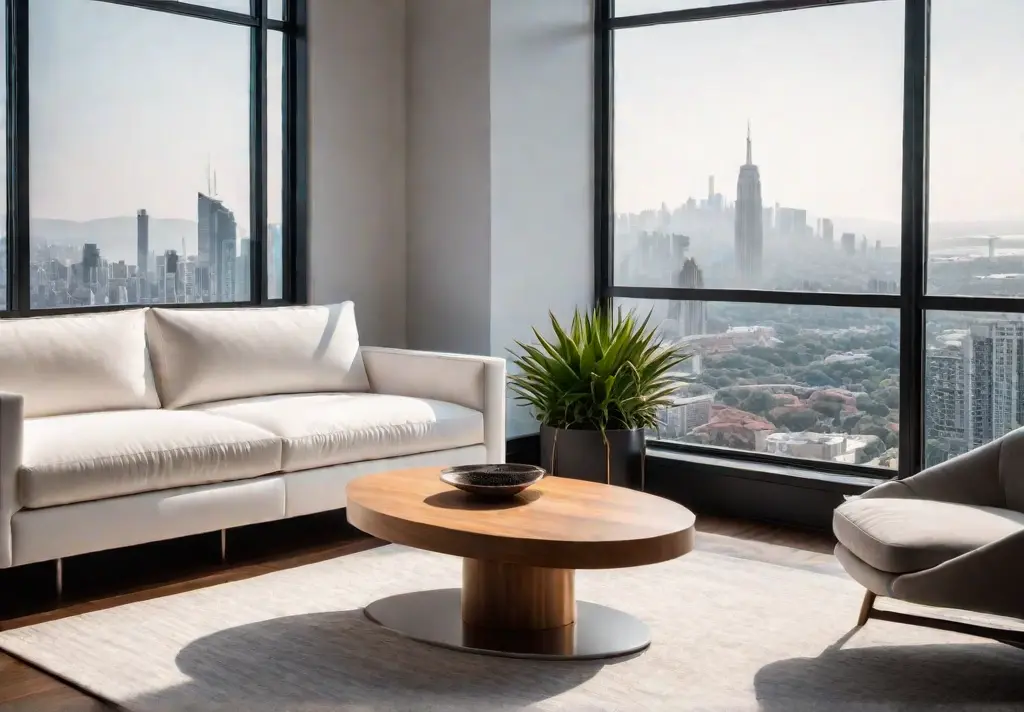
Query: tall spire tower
x=749, y=230
x=750, y=151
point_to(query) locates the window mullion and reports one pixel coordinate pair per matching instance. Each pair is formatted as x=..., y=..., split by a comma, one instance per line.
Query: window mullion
x=18, y=242
x=913, y=248
x=258, y=159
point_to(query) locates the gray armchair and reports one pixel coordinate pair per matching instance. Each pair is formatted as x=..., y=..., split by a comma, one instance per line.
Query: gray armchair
x=951, y=536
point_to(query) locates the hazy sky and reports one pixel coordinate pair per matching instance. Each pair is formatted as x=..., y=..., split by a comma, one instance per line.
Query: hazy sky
x=823, y=91
x=129, y=107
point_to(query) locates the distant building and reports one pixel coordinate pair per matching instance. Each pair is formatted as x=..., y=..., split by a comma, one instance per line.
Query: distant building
x=242, y=272
x=749, y=234
x=974, y=388
x=217, y=234
x=142, y=240
x=835, y=447
x=691, y=316
x=90, y=264
x=849, y=243
x=827, y=230
x=995, y=372
x=946, y=401
x=685, y=413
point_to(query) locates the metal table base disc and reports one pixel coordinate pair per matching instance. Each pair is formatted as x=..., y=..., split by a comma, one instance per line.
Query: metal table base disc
x=435, y=617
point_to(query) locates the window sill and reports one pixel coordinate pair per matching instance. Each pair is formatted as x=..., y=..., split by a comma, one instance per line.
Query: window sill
x=777, y=473
x=766, y=492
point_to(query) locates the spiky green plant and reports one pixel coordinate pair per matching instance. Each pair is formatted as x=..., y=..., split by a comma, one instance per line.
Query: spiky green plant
x=604, y=373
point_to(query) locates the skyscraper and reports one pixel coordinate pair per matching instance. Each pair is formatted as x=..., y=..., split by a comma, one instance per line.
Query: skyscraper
x=749, y=230
x=142, y=237
x=695, y=313
x=242, y=271
x=947, y=403
x=827, y=230
x=90, y=264
x=215, y=269
x=995, y=373
x=975, y=389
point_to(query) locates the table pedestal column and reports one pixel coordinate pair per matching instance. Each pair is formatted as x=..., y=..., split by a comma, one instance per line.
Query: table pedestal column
x=514, y=597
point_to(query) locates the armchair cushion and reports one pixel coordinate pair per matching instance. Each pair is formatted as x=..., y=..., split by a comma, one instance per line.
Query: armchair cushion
x=322, y=429
x=902, y=535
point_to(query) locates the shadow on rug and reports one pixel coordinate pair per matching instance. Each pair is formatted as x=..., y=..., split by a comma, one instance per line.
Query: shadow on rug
x=910, y=677
x=341, y=660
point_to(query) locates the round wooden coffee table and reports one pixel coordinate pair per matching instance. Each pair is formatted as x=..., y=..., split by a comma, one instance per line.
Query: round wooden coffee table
x=519, y=561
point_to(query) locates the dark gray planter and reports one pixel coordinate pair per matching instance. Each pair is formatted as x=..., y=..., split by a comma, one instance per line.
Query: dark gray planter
x=583, y=455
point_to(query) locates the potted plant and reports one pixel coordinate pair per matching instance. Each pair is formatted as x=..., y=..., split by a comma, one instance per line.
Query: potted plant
x=594, y=388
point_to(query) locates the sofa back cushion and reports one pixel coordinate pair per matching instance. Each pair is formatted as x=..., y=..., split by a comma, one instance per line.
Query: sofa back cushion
x=77, y=364
x=205, y=355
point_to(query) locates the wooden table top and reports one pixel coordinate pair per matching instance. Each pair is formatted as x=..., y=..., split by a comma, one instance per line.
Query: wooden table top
x=557, y=523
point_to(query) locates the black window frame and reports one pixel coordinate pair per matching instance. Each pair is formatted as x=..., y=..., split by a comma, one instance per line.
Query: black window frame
x=912, y=302
x=295, y=145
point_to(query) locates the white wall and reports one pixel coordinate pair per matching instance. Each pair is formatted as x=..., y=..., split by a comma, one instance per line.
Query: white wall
x=451, y=168
x=448, y=178
x=542, y=234
x=500, y=181
x=357, y=245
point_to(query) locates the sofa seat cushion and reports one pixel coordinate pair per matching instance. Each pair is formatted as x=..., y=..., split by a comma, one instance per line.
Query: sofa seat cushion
x=89, y=456
x=322, y=429
x=902, y=536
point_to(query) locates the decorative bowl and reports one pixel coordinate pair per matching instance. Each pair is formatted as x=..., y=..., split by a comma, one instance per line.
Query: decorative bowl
x=493, y=481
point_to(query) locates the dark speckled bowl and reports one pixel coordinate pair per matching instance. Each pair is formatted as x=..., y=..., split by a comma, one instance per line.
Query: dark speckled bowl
x=493, y=481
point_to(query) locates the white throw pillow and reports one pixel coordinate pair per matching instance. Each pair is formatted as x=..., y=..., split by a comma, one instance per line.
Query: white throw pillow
x=77, y=364
x=205, y=355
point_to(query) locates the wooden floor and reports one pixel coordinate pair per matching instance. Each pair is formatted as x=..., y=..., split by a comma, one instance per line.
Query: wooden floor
x=113, y=578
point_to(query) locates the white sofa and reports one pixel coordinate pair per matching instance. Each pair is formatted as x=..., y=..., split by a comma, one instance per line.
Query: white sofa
x=128, y=427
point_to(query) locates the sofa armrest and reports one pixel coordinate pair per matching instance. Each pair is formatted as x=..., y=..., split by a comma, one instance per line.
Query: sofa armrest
x=476, y=382
x=11, y=417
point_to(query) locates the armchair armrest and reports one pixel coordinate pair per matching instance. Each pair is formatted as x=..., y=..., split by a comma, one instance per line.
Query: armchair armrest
x=11, y=417
x=476, y=382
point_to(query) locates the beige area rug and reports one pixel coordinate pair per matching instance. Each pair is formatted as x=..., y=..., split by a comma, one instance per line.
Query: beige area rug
x=729, y=634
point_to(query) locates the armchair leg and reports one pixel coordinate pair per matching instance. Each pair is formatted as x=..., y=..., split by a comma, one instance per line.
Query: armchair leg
x=865, y=608
x=59, y=578
x=223, y=545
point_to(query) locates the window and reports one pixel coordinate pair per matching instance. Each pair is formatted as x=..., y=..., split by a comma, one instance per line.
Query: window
x=759, y=153
x=848, y=276
x=974, y=381
x=155, y=158
x=811, y=382
x=976, y=191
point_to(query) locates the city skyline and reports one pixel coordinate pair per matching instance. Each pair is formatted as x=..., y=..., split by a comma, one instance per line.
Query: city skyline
x=175, y=109
x=839, y=146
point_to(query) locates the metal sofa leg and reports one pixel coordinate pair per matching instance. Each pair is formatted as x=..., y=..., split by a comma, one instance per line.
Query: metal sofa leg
x=223, y=545
x=60, y=578
x=865, y=608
